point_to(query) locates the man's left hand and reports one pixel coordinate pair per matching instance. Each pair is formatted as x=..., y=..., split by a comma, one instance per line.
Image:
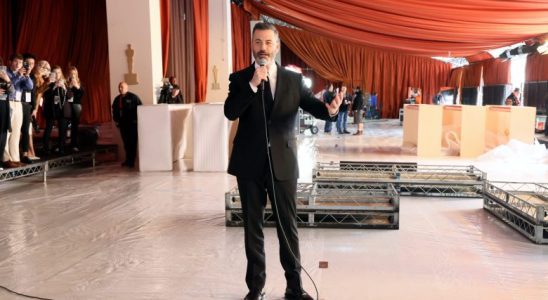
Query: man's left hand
x=333, y=107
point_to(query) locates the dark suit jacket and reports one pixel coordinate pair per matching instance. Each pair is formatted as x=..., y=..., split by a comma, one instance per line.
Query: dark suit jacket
x=249, y=156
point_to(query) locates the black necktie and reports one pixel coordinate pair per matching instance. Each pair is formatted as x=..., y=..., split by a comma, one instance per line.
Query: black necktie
x=269, y=101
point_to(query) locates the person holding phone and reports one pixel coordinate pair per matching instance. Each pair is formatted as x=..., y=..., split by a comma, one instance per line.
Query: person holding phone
x=55, y=98
x=28, y=102
x=74, y=98
x=21, y=82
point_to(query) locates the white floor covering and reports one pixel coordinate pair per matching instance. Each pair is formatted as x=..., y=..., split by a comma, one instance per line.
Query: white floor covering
x=113, y=233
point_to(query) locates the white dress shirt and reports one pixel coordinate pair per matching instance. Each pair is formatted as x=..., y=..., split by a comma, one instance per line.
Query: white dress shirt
x=272, y=76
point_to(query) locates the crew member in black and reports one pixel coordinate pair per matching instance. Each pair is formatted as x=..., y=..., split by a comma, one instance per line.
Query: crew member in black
x=124, y=113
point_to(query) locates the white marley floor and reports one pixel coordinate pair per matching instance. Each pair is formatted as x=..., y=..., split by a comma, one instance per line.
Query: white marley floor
x=111, y=233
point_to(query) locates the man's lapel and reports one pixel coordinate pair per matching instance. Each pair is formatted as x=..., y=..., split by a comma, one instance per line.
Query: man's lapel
x=281, y=85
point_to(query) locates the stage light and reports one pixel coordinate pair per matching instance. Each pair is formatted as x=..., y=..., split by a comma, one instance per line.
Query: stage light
x=307, y=82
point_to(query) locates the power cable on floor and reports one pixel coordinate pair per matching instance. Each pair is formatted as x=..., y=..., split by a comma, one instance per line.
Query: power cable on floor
x=22, y=295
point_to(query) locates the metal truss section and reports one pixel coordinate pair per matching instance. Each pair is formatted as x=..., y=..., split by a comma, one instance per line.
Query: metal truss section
x=350, y=196
x=330, y=219
x=537, y=233
x=44, y=167
x=33, y=169
x=337, y=204
x=409, y=179
x=232, y=197
x=529, y=200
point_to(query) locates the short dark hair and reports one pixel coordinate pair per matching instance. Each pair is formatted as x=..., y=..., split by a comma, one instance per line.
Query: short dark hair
x=265, y=26
x=176, y=87
x=28, y=55
x=16, y=56
x=516, y=90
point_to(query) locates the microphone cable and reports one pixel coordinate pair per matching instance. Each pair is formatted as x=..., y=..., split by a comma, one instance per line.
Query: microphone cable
x=274, y=201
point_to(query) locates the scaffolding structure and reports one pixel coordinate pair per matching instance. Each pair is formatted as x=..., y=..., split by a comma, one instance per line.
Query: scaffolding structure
x=43, y=167
x=410, y=179
x=523, y=206
x=337, y=205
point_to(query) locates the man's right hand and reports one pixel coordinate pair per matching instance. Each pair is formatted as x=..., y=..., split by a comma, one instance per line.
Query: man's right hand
x=2, y=91
x=261, y=73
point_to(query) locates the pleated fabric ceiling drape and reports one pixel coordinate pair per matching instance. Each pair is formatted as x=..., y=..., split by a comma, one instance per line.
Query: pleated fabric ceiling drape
x=418, y=27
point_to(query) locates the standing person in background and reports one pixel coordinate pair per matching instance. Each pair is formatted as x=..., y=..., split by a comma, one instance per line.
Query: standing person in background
x=5, y=89
x=514, y=98
x=124, y=114
x=55, y=97
x=357, y=107
x=327, y=97
x=167, y=89
x=174, y=97
x=28, y=101
x=40, y=77
x=374, y=106
x=74, y=97
x=343, y=111
x=21, y=82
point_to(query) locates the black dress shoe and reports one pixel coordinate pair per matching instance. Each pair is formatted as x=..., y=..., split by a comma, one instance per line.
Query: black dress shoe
x=254, y=296
x=26, y=160
x=302, y=296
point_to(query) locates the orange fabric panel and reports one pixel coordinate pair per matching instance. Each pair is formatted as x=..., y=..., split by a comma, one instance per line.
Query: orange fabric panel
x=201, y=44
x=165, y=19
x=455, y=77
x=471, y=76
x=496, y=71
x=387, y=73
x=536, y=68
x=479, y=57
x=241, y=38
x=419, y=27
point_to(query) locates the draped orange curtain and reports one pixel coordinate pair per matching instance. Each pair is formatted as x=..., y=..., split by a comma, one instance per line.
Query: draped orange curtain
x=241, y=38
x=419, y=27
x=201, y=44
x=387, y=73
x=471, y=75
x=455, y=77
x=496, y=71
x=536, y=68
x=290, y=58
x=165, y=12
x=479, y=57
x=68, y=33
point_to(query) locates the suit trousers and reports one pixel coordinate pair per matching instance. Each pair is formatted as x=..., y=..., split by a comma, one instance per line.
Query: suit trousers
x=25, y=135
x=11, y=152
x=129, y=137
x=62, y=131
x=253, y=194
x=75, y=124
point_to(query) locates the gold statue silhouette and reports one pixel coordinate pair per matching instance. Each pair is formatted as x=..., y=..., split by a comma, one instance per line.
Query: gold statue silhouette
x=130, y=78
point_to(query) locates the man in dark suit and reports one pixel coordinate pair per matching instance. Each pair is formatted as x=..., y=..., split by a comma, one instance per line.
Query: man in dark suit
x=283, y=94
x=124, y=114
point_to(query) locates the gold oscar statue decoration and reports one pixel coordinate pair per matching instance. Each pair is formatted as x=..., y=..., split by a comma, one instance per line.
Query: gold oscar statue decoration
x=130, y=78
x=215, y=85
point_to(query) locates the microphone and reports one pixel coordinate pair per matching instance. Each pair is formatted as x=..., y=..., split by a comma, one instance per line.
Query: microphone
x=262, y=63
